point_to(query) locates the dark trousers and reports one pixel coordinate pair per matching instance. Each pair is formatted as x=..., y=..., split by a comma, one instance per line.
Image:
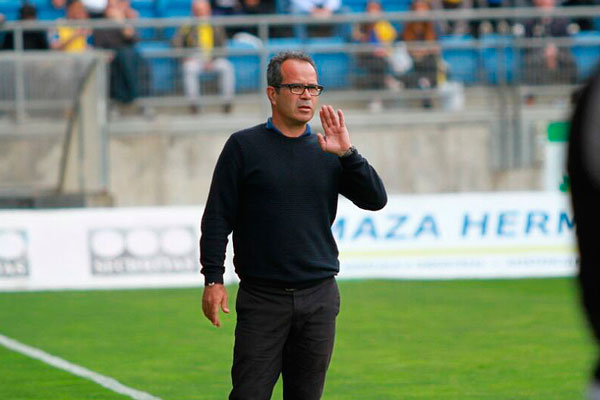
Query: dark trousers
x=287, y=332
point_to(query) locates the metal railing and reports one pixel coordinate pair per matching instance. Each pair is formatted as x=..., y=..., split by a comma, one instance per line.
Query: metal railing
x=494, y=62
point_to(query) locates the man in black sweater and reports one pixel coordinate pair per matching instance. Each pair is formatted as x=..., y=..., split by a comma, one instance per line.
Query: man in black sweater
x=276, y=186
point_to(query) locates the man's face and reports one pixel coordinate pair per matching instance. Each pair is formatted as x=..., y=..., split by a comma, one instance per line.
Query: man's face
x=201, y=8
x=76, y=11
x=295, y=109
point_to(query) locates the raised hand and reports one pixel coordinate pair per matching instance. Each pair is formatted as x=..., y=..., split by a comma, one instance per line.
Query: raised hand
x=336, y=139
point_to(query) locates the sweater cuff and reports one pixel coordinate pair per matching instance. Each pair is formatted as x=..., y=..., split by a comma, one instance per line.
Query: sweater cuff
x=212, y=277
x=351, y=159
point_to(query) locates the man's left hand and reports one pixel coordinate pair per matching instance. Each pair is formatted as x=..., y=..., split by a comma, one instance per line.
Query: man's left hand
x=337, y=138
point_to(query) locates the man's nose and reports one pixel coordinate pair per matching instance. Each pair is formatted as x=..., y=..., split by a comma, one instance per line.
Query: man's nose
x=305, y=94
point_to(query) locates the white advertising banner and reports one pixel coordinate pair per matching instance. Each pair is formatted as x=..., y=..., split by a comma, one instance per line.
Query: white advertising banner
x=495, y=235
x=415, y=237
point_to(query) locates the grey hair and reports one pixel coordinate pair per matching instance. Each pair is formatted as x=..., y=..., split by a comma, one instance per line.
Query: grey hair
x=274, y=77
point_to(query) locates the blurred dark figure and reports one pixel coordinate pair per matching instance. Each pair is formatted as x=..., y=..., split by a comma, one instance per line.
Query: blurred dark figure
x=482, y=27
x=550, y=66
x=426, y=56
x=585, y=24
x=258, y=7
x=381, y=35
x=225, y=7
x=455, y=27
x=32, y=40
x=124, y=67
x=583, y=166
x=546, y=26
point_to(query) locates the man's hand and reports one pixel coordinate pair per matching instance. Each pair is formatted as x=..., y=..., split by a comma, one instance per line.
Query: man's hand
x=336, y=139
x=213, y=297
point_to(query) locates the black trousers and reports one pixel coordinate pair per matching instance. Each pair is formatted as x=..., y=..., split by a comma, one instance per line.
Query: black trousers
x=283, y=331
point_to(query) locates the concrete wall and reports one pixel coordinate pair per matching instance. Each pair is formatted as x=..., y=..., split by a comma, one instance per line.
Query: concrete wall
x=148, y=170
x=166, y=167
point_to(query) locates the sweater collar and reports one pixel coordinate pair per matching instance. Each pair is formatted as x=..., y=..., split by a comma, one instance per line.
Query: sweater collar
x=272, y=127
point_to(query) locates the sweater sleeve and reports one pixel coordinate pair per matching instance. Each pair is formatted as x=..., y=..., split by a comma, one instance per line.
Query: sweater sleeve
x=361, y=184
x=220, y=212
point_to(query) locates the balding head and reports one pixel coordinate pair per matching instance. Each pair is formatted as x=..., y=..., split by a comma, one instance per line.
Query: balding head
x=201, y=8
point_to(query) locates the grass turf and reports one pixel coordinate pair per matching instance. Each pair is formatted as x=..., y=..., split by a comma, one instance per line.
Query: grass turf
x=503, y=339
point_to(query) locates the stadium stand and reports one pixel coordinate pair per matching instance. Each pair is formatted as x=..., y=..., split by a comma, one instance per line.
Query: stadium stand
x=491, y=59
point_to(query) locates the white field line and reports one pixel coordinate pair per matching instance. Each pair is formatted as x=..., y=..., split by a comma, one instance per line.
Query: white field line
x=107, y=382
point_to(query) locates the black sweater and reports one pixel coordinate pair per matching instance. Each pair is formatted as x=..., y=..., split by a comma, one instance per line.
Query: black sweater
x=279, y=197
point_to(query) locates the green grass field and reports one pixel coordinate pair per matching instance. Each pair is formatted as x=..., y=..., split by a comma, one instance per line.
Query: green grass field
x=503, y=339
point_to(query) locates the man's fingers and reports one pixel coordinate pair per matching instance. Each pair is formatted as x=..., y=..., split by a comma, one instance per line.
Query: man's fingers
x=322, y=117
x=322, y=141
x=224, y=305
x=341, y=116
x=214, y=314
x=333, y=116
x=326, y=117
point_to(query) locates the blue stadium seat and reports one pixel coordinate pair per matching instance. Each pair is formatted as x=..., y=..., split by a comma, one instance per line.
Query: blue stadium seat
x=175, y=12
x=247, y=67
x=162, y=70
x=586, y=50
x=279, y=44
x=50, y=13
x=333, y=66
x=173, y=8
x=282, y=6
x=356, y=6
x=461, y=54
x=10, y=9
x=499, y=61
x=37, y=3
x=396, y=5
x=146, y=8
x=387, y=5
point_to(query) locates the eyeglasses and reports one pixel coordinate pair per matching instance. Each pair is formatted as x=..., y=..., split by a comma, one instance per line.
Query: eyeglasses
x=297, y=88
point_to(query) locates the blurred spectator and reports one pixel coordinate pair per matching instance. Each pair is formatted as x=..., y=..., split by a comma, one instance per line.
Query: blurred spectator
x=380, y=35
x=59, y=3
x=546, y=26
x=585, y=24
x=32, y=40
x=455, y=27
x=68, y=38
x=95, y=8
x=551, y=66
x=425, y=56
x=224, y=7
x=258, y=7
x=204, y=38
x=318, y=9
x=124, y=67
x=125, y=8
x=548, y=66
x=482, y=27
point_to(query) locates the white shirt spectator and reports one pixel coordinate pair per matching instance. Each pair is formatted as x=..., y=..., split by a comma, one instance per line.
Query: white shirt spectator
x=95, y=6
x=308, y=5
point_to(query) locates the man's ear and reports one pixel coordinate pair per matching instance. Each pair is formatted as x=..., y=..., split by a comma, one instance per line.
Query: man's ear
x=271, y=95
